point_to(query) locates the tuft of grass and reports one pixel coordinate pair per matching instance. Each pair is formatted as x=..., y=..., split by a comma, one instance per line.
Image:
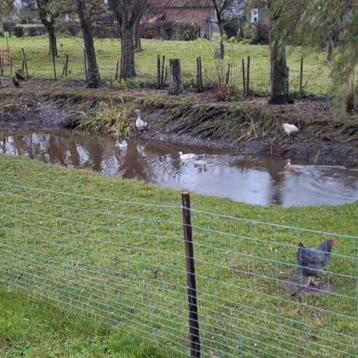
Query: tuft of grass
x=35, y=329
x=109, y=118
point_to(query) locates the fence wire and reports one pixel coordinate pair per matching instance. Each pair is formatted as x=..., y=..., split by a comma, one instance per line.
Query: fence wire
x=124, y=262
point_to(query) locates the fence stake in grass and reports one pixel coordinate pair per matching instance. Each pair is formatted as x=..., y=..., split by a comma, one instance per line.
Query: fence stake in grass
x=243, y=76
x=301, y=76
x=191, y=279
x=248, y=76
x=162, y=72
x=54, y=63
x=117, y=71
x=158, y=71
x=85, y=64
x=199, y=75
x=65, y=66
x=24, y=63
x=1, y=67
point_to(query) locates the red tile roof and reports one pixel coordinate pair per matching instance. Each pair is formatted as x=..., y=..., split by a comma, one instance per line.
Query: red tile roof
x=182, y=3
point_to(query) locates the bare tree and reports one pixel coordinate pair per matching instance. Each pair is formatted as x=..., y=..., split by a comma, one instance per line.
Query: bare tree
x=87, y=10
x=6, y=7
x=128, y=14
x=48, y=12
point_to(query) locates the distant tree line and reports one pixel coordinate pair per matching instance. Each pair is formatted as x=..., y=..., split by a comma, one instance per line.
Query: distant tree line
x=313, y=23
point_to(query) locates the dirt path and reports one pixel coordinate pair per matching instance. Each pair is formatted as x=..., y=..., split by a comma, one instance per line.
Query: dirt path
x=250, y=126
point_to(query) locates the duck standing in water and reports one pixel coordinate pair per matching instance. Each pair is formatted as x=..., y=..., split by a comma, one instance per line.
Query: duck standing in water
x=201, y=162
x=139, y=123
x=184, y=157
x=290, y=166
x=122, y=145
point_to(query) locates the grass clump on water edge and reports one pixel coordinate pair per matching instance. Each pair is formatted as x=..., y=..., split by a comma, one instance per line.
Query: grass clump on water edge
x=109, y=118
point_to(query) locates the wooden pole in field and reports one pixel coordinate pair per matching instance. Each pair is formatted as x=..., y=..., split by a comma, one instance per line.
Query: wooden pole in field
x=158, y=71
x=54, y=63
x=199, y=75
x=162, y=72
x=248, y=75
x=301, y=76
x=24, y=63
x=243, y=77
x=117, y=71
x=65, y=66
x=191, y=279
x=85, y=64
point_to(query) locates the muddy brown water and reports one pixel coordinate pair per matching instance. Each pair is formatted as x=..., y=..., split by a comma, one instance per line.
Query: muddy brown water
x=262, y=181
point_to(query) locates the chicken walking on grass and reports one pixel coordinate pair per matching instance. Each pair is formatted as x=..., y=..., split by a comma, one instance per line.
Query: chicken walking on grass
x=311, y=260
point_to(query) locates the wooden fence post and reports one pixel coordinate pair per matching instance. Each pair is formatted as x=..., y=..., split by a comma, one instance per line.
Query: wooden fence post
x=248, y=76
x=24, y=63
x=85, y=64
x=117, y=71
x=158, y=71
x=162, y=72
x=199, y=75
x=191, y=279
x=175, y=78
x=301, y=77
x=243, y=76
x=54, y=62
x=65, y=66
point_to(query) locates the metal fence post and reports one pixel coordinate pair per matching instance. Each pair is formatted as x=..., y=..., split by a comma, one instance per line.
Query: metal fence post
x=191, y=279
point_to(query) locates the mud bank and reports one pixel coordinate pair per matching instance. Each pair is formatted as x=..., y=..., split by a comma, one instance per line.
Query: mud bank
x=251, y=127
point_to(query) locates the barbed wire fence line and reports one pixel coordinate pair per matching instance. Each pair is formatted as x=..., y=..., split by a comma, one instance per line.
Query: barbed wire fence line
x=129, y=264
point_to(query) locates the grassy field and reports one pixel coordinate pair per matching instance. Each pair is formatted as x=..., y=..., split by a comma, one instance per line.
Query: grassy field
x=34, y=329
x=113, y=249
x=316, y=70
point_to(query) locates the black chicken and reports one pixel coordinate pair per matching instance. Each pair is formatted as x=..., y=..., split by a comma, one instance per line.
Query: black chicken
x=15, y=83
x=310, y=261
x=19, y=76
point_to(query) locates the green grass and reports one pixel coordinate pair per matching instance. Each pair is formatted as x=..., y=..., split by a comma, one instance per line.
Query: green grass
x=316, y=70
x=101, y=253
x=32, y=328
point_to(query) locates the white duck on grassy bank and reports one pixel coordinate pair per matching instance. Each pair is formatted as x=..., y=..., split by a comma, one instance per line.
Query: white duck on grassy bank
x=139, y=123
x=290, y=128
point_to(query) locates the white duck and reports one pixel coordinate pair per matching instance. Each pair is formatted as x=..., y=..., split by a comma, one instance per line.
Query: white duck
x=140, y=124
x=290, y=128
x=201, y=162
x=123, y=145
x=184, y=157
x=290, y=166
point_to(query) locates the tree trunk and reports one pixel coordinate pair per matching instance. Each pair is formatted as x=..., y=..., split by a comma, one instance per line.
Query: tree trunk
x=94, y=78
x=175, y=79
x=330, y=49
x=127, y=52
x=279, y=75
x=52, y=42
